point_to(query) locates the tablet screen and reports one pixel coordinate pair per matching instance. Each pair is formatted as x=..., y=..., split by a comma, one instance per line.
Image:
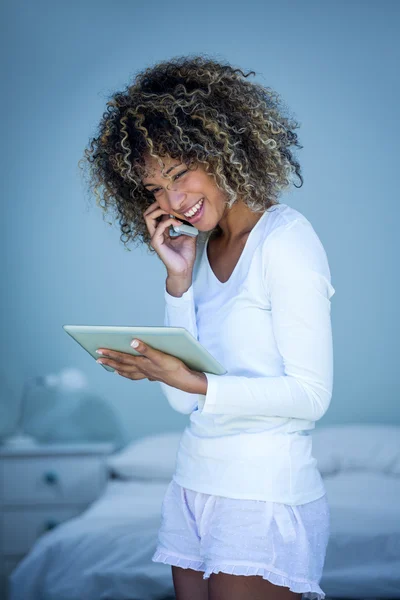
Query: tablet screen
x=176, y=341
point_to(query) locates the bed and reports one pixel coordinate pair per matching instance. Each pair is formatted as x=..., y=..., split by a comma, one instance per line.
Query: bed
x=105, y=553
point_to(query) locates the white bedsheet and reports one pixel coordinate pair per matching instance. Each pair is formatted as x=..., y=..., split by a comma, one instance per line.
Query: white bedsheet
x=363, y=555
x=105, y=553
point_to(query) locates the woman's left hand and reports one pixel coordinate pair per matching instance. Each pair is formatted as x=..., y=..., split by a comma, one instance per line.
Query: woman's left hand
x=153, y=365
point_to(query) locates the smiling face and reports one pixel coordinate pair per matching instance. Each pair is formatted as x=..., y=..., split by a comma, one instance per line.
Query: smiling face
x=186, y=189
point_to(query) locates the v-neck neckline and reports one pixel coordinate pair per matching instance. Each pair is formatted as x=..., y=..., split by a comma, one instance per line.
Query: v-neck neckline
x=236, y=267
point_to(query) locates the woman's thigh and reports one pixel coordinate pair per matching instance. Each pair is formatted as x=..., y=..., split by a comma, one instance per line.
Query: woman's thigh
x=189, y=584
x=236, y=587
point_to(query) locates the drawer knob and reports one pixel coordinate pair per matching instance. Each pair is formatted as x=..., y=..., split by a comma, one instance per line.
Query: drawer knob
x=50, y=477
x=51, y=524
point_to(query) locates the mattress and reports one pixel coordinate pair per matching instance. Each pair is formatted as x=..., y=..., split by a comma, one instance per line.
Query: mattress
x=105, y=553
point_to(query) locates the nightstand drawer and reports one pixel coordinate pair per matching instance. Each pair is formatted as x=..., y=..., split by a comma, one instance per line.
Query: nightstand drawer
x=41, y=480
x=20, y=529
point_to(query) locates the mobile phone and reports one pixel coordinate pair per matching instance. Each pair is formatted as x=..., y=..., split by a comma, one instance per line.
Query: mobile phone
x=184, y=229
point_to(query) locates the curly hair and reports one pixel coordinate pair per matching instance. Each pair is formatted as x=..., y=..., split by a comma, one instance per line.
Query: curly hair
x=197, y=110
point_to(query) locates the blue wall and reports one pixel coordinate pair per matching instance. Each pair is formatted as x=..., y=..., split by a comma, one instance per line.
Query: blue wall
x=334, y=63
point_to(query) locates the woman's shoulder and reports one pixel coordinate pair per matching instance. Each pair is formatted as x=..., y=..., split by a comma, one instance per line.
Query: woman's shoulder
x=281, y=215
x=286, y=222
x=292, y=240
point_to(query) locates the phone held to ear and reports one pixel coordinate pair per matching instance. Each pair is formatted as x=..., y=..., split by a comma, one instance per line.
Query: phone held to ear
x=184, y=229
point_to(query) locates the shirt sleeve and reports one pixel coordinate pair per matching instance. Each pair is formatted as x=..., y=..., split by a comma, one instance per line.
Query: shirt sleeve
x=296, y=279
x=180, y=312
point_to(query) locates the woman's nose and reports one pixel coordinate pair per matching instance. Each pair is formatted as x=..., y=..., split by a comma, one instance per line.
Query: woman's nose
x=176, y=200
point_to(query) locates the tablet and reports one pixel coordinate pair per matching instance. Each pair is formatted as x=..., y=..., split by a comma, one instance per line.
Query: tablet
x=172, y=340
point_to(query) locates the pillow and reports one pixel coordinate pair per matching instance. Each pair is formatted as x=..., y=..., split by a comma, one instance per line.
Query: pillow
x=356, y=446
x=151, y=457
x=336, y=448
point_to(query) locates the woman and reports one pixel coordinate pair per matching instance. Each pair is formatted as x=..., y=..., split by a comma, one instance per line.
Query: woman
x=246, y=513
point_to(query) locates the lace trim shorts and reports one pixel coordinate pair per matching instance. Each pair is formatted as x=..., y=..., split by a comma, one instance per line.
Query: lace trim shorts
x=284, y=544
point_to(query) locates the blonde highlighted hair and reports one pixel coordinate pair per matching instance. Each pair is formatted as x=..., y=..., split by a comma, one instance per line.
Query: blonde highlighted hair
x=200, y=111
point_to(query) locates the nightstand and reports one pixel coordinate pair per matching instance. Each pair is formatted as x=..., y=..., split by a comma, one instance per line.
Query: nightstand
x=40, y=488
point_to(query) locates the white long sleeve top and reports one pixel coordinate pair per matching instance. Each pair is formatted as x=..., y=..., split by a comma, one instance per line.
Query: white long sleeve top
x=269, y=325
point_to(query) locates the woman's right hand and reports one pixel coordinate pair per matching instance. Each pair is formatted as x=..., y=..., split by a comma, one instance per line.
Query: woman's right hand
x=177, y=253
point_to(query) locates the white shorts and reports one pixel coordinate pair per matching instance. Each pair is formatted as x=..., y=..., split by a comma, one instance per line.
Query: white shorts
x=282, y=543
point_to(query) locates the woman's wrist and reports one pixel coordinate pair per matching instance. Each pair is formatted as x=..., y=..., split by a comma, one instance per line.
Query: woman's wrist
x=196, y=382
x=178, y=285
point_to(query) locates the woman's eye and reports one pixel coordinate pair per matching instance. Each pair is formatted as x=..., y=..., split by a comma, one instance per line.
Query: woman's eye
x=176, y=177
x=181, y=173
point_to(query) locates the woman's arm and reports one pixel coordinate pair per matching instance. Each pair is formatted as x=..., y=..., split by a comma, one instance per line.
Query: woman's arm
x=297, y=280
x=180, y=312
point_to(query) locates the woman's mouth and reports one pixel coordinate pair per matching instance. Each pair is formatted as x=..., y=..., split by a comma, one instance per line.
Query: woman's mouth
x=197, y=216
